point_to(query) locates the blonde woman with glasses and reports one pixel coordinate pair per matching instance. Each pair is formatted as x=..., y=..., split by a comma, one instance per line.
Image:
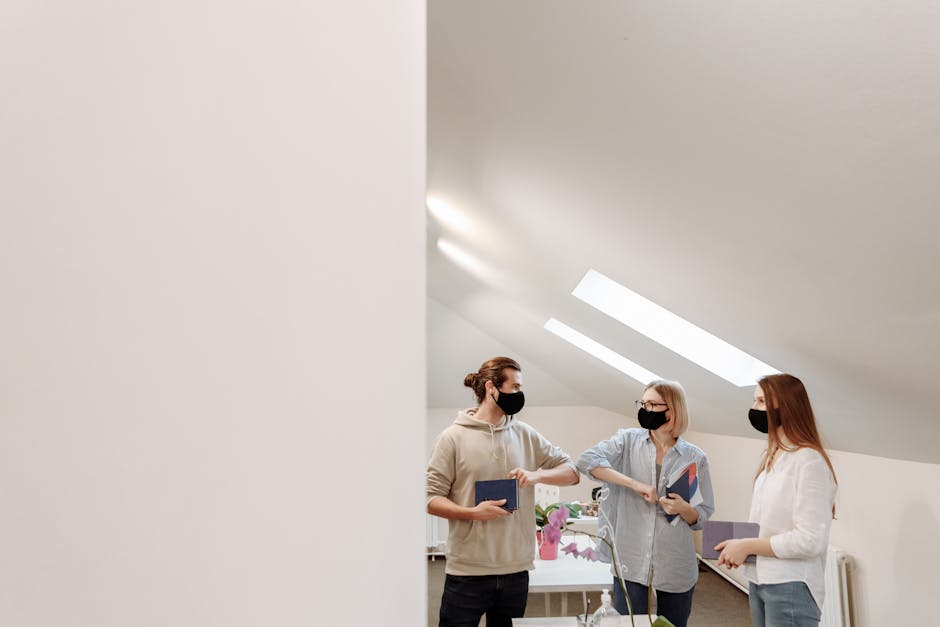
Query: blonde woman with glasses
x=650, y=526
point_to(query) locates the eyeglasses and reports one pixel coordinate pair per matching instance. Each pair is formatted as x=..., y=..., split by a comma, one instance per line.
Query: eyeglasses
x=650, y=406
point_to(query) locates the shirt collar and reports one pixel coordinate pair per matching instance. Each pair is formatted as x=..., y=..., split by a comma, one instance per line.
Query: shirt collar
x=680, y=444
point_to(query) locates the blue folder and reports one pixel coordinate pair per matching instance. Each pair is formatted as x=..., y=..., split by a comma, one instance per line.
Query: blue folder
x=497, y=489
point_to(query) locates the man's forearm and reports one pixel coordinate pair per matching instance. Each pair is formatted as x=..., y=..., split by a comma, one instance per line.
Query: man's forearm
x=445, y=508
x=559, y=475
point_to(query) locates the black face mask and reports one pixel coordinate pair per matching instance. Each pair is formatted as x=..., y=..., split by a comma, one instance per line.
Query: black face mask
x=651, y=420
x=758, y=418
x=510, y=402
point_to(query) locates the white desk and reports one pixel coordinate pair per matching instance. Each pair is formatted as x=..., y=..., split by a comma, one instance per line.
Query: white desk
x=569, y=574
x=571, y=621
x=584, y=523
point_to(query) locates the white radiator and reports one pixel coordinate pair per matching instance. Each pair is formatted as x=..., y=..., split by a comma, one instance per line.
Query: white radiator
x=436, y=536
x=835, y=609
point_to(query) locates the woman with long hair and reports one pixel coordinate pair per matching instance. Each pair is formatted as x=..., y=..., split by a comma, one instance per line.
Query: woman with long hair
x=793, y=502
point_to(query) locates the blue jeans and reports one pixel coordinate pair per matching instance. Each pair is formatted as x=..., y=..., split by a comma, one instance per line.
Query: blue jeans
x=789, y=604
x=676, y=606
x=500, y=597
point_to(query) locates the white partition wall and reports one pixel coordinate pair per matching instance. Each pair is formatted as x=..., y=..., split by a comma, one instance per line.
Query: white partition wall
x=212, y=282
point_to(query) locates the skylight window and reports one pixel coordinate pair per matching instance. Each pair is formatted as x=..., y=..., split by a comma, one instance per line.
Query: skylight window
x=672, y=331
x=600, y=351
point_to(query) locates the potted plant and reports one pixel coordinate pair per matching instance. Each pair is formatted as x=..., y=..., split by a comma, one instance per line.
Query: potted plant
x=554, y=524
x=548, y=542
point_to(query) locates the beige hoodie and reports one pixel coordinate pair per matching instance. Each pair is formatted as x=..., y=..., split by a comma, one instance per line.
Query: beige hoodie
x=471, y=450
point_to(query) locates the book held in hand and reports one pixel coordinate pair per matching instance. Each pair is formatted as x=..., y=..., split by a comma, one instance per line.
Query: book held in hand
x=716, y=531
x=686, y=486
x=497, y=489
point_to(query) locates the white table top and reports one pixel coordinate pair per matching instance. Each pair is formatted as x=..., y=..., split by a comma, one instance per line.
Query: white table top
x=570, y=574
x=571, y=621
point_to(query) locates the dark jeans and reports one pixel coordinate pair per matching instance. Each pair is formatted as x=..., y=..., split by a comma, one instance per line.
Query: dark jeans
x=676, y=606
x=500, y=597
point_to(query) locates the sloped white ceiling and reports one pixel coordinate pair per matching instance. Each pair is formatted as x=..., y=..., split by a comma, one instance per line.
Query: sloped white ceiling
x=456, y=347
x=768, y=171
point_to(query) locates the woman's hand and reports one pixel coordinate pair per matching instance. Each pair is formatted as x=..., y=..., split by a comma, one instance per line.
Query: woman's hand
x=733, y=552
x=648, y=492
x=674, y=504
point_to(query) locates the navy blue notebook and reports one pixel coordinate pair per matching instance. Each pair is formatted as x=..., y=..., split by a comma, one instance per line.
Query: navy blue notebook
x=715, y=531
x=684, y=486
x=498, y=489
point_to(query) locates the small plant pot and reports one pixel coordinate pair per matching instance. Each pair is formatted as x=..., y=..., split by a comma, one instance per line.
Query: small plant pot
x=547, y=550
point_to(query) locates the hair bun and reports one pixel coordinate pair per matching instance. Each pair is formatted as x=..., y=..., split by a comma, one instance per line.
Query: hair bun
x=470, y=380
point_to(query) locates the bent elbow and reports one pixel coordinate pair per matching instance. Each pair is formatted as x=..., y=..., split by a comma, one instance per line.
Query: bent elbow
x=807, y=545
x=574, y=477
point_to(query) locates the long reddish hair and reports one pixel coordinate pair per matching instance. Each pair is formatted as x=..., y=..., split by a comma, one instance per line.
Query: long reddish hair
x=788, y=407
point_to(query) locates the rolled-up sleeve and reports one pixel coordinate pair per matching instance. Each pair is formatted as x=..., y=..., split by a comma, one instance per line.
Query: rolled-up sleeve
x=550, y=456
x=441, y=469
x=606, y=454
x=812, y=514
x=706, y=508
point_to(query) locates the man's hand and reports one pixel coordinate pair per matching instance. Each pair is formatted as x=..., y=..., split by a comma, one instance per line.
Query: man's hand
x=524, y=477
x=648, y=492
x=489, y=510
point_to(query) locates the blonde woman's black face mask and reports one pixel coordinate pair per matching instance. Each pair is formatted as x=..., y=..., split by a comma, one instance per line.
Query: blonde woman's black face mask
x=651, y=420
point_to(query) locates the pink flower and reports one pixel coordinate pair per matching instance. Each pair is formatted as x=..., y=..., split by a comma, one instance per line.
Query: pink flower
x=572, y=549
x=559, y=517
x=589, y=554
x=551, y=534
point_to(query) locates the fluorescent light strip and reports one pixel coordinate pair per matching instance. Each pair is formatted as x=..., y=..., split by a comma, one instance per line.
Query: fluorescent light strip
x=448, y=215
x=672, y=331
x=472, y=264
x=600, y=351
x=459, y=255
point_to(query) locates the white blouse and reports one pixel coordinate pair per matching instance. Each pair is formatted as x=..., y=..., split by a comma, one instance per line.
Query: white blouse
x=792, y=503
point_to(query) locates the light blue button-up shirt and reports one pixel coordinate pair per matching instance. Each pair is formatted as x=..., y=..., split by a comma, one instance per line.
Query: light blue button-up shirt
x=647, y=544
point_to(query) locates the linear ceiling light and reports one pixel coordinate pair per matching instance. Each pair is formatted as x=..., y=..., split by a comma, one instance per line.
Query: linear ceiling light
x=600, y=351
x=672, y=331
x=448, y=215
x=471, y=263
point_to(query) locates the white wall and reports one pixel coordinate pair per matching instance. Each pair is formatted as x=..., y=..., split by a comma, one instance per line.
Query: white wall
x=212, y=281
x=888, y=520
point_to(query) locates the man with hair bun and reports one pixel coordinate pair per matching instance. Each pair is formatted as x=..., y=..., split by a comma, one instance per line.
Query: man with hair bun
x=490, y=550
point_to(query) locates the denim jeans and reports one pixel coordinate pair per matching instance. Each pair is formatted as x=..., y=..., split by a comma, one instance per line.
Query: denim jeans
x=500, y=597
x=676, y=606
x=789, y=604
